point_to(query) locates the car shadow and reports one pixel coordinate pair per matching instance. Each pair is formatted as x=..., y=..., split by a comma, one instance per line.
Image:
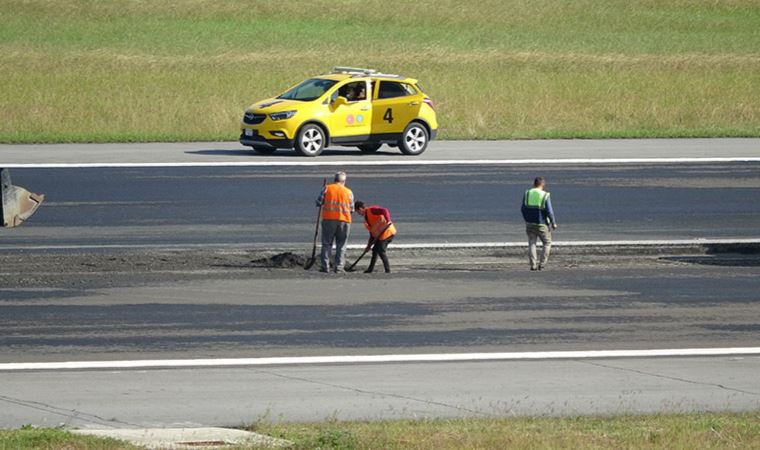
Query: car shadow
x=216, y=152
x=284, y=153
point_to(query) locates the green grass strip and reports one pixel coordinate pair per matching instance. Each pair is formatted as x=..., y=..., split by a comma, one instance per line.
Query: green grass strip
x=161, y=70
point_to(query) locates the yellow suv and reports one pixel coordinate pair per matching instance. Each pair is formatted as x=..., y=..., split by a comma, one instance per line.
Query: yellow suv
x=348, y=107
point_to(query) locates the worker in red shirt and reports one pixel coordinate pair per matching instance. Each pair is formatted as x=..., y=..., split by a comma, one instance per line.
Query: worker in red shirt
x=378, y=222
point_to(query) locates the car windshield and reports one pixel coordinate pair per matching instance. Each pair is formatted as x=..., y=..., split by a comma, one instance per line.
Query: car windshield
x=310, y=89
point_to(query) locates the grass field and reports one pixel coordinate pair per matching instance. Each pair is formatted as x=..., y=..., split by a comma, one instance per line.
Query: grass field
x=155, y=70
x=703, y=431
x=708, y=431
x=28, y=438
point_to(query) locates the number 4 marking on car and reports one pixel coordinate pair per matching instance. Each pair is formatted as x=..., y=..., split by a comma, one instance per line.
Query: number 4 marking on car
x=388, y=116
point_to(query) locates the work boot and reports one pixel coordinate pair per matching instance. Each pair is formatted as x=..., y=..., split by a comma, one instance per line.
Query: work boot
x=368, y=271
x=541, y=267
x=532, y=268
x=323, y=270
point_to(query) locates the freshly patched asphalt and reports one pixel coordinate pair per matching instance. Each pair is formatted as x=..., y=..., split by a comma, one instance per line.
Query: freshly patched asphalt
x=92, y=308
x=453, y=204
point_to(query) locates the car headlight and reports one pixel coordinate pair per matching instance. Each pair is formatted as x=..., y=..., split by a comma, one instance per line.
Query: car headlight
x=282, y=115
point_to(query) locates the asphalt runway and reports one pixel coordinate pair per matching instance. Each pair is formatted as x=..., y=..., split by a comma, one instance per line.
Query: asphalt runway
x=237, y=396
x=220, y=152
x=267, y=206
x=85, y=313
x=83, y=301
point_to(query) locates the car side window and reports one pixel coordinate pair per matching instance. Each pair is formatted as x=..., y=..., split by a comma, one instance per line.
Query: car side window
x=391, y=89
x=409, y=88
x=353, y=92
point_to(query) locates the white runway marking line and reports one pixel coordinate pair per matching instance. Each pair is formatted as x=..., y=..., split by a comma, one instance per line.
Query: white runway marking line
x=411, y=246
x=393, y=162
x=369, y=359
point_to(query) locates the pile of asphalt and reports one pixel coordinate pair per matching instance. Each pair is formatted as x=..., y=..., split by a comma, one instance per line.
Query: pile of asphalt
x=287, y=260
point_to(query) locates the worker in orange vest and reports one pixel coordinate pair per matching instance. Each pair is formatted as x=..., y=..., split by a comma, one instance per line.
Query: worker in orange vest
x=337, y=203
x=378, y=222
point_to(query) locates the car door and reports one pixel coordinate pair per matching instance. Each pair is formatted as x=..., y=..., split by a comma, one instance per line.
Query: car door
x=395, y=104
x=352, y=118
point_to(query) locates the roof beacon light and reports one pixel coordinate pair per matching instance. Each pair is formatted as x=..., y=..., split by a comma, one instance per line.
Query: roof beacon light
x=354, y=70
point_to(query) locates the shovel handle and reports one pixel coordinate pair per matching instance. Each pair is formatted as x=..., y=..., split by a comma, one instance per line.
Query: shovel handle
x=313, y=258
x=351, y=267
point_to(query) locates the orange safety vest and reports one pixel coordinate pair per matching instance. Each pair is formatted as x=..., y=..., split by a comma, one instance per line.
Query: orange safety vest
x=337, y=203
x=378, y=227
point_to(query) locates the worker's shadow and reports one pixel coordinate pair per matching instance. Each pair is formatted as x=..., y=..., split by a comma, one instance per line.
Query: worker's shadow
x=285, y=153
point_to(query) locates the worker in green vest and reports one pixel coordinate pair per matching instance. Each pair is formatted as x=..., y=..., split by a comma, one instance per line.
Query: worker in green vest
x=539, y=222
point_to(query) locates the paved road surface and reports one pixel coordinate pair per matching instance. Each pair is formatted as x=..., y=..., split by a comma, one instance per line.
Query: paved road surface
x=473, y=203
x=74, y=309
x=214, y=152
x=143, y=304
x=234, y=396
x=83, y=313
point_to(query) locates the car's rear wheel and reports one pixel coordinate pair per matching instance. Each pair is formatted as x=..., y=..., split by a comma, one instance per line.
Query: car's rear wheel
x=262, y=150
x=370, y=148
x=310, y=140
x=414, y=140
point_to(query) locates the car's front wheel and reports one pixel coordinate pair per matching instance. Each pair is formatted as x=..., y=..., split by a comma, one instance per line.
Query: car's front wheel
x=310, y=140
x=414, y=140
x=370, y=148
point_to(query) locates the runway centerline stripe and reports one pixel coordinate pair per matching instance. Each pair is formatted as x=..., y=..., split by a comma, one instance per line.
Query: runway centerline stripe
x=395, y=162
x=410, y=246
x=370, y=359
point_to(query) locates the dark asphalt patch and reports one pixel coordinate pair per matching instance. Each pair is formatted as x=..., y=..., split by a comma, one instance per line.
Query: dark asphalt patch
x=726, y=261
x=733, y=327
x=39, y=294
x=329, y=339
x=287, y=260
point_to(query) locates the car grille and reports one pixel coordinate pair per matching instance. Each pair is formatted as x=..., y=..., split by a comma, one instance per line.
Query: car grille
x=253, y=119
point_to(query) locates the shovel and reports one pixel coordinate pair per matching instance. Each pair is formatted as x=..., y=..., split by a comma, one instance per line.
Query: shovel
x=369, y=246
x=366, y=250
x=310, y=262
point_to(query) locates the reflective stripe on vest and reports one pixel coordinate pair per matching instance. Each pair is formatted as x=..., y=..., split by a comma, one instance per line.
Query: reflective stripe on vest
x=378, y=227
x=337, y=203
x=535, y=198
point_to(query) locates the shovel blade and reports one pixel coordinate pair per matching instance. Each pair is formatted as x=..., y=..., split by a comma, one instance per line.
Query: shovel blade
x=16, y=203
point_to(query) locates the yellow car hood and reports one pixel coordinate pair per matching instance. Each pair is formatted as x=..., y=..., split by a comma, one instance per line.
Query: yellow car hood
x=273, y=105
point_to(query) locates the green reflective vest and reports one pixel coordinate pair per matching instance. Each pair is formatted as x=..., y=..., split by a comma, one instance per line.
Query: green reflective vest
x=536, y=198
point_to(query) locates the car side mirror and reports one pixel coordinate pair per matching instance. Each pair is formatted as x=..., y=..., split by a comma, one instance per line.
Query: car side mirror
x=340, y=100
